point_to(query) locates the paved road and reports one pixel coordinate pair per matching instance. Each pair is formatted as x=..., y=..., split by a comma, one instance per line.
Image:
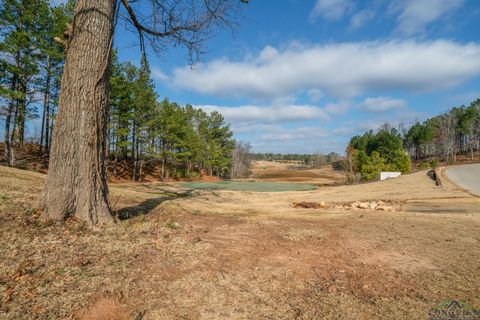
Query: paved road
x=465, y=176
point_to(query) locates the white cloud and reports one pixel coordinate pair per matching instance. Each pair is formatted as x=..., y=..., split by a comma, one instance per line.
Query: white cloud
x=343, y=70
x=305, y=139
x=339, y=108
x=295, y=134
x=405, y=117
x=269, y=114
x=283, y=137
x=331, y=9
x=273, y=128
x=381, y=104
x=361, y=17
x=158, y=74
x=416, y=15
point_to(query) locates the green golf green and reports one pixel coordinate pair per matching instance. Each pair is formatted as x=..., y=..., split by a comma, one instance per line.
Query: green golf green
x=250, y=186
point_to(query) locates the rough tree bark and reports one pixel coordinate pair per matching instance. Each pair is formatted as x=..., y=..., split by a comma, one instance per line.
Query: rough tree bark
x=76, y=183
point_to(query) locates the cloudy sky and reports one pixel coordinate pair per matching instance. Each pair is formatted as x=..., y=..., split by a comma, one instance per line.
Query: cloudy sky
x=304, y=76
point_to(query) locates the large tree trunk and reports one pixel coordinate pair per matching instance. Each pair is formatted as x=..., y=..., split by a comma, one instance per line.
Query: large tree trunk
x=76, y=183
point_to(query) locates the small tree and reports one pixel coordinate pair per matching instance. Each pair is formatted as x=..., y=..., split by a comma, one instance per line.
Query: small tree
x=240, y=160
x=375, y=152
x=447, y=136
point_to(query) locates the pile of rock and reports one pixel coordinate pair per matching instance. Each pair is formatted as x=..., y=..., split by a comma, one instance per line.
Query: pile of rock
x=356, y=205
x=373, y=205
x=310, y=205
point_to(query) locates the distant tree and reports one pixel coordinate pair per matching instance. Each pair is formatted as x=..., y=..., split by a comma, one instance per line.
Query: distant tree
x=418, y=136
x=467, y=127
x=51, y=63
x=350, y=164
x=21, y=25
x=220, y=144
x=241, y=160
x=376, y=152
x=447, y=134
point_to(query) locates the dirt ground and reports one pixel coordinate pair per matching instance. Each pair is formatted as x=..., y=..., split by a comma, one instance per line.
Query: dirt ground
x=286, y=172
x=183, y=254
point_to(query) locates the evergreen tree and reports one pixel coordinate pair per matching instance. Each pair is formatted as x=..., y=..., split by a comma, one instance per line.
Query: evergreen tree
x=20, y=28
x=182, y=141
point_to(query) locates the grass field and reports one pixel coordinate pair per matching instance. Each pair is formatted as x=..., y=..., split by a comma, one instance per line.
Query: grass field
x=249, y=186
x=180, y=253
x=284, y=172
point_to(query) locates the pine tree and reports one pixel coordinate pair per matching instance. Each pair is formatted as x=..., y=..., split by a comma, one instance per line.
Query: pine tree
x=54, y=25
x=21, y=24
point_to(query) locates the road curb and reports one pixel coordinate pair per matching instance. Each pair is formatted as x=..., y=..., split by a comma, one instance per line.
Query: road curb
x=438, y=176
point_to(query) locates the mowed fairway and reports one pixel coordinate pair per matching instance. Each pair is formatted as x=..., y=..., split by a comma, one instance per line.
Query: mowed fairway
x=209, y=254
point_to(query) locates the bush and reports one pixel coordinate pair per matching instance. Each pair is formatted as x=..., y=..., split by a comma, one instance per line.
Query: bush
x=423, y=165
x=373, y=166
x=377, y=152
x=193, y=175
x=434, y=163
x=401, y=161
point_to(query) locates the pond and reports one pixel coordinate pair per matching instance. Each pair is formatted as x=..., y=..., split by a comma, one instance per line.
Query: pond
x=250, y=186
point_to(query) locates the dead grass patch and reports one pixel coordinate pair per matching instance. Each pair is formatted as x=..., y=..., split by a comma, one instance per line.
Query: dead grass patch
x=234, y=255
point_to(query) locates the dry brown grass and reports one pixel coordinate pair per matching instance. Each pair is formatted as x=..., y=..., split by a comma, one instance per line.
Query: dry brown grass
x=285, y=172
x=240, y=255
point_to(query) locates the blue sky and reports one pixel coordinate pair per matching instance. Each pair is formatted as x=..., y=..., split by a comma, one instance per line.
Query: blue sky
x=303, y=76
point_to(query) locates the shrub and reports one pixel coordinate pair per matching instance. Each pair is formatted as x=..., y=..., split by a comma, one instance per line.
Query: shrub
x=376, y=152
x=373, y=166
x=401, y=161
x=423, y=165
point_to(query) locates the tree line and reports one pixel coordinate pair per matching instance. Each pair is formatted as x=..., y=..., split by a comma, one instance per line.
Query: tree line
x=181, y=140
x=143, y=132
x=32, y=56
x=446, y=135
x=440, y=138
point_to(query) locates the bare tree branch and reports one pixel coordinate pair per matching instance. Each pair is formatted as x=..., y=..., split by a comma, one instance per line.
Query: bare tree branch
x=188, y=23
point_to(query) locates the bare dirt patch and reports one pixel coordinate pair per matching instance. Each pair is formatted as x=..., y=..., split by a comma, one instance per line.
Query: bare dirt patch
x=105, y=308
x=239, y=255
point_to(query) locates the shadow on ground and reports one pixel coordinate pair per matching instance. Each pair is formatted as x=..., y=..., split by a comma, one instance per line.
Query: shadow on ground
x=150, y=204
x=338, y=165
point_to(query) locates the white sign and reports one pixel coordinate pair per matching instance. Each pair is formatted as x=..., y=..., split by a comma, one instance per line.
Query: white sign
x=389, y=175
